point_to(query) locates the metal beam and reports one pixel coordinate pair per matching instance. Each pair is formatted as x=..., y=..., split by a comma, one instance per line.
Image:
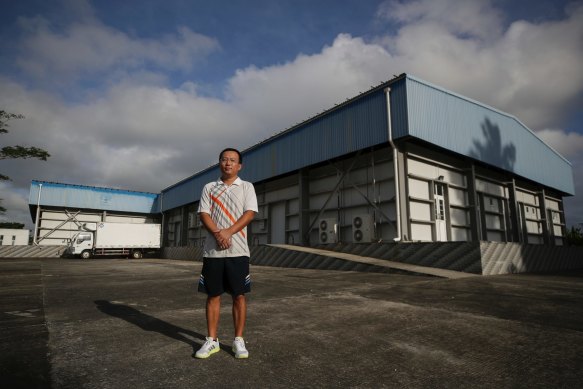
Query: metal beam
x=332, y=193
x=60, y=225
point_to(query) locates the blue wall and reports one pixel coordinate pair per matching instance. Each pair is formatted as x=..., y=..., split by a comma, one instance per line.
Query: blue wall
x=90, y=197
x=483, y=133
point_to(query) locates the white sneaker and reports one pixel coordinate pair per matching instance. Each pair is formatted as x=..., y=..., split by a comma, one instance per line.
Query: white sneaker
x=239, y=348
x=208, y=348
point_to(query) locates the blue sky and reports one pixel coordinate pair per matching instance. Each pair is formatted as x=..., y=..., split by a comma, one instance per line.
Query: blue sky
x=125, y=93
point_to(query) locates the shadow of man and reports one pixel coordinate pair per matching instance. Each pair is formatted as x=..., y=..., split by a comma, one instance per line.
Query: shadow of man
x=150, y=323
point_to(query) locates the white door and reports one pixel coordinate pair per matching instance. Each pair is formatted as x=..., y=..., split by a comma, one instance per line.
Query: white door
x=440, y=222
x=277, y=223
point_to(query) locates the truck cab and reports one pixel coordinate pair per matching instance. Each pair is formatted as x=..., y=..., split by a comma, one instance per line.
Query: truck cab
x=82, y=245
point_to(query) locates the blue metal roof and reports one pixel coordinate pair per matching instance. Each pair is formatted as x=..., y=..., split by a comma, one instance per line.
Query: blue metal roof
x=91, y=197
x=483, y=133
x=349, y=127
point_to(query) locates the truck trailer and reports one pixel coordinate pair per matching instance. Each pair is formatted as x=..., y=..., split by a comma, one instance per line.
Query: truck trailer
x=119, y=239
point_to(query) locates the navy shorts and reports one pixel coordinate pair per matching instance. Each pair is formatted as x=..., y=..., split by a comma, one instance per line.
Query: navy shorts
x=229, y=274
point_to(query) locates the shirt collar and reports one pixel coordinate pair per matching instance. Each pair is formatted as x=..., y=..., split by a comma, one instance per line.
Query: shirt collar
x=236, y=182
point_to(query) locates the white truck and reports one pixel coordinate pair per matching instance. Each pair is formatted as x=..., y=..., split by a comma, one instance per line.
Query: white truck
x=120, y=239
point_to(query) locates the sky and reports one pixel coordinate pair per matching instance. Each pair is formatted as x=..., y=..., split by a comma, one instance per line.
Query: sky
x=140, y=94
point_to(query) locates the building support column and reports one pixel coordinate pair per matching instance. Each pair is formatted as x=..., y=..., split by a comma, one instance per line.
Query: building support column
x=473, y=200
x=513, y=205
x=184, y=229
x=542, y=205
x=304, y=206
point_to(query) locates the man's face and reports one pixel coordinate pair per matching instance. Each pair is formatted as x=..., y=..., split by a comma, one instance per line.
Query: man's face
x=229, y=164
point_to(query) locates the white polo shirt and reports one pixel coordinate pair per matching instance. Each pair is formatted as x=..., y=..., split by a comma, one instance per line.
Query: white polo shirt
x=226, y=204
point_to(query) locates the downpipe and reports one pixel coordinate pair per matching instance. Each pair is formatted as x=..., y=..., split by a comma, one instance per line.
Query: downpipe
x=396, y=169
x=36, y=222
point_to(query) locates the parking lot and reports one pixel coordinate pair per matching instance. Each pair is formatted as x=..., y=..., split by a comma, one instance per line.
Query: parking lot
x=135, y=324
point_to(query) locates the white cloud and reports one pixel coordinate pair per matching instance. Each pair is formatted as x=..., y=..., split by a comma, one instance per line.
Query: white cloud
x=91, y=47
x=568, y=144
x=15, y=200
x=134, y=137
x=279, y=96
x=476, y=18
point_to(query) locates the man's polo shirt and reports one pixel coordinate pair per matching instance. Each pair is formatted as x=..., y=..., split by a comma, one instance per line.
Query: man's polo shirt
x=226, y=204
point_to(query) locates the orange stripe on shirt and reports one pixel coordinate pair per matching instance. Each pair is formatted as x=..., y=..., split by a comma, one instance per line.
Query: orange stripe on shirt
x=225, y=210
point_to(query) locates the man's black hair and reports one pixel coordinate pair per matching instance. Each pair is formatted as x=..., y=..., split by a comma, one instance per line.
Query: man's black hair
x=231, y=149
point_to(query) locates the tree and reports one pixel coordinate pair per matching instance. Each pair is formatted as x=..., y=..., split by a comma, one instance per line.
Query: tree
x=12, y=152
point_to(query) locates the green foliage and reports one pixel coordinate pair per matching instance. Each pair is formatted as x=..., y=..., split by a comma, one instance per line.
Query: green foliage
x=12, y=152
x=575, y=236
x=17, y=226
x=4, y=117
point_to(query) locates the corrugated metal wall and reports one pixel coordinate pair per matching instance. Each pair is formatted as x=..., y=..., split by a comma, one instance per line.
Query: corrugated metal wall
x=347, y=129
x=89, y=197
x=350, y=128
x=483, y=133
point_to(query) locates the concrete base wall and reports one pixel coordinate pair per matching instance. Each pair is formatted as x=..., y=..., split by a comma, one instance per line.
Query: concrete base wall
x=487, y=258
x=505, y=258
x=458, y=256
x=31, y=251
x=186, y=253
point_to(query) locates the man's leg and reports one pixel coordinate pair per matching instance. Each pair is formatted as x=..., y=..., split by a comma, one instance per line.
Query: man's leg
x=213, y=311
x=239, y=314
x=211, y=345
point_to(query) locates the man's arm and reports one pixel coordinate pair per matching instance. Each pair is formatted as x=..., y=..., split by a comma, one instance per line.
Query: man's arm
x=208, y=222
x=211, y=227
x=243, y=221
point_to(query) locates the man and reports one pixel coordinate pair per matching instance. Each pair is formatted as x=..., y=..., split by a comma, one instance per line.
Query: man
x=226, y=207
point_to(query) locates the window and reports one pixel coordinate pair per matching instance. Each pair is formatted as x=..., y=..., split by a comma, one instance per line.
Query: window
x=83, y=237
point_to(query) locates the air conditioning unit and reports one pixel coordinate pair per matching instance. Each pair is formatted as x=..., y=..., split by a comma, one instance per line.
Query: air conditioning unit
x=362, y=228
x=328, y=231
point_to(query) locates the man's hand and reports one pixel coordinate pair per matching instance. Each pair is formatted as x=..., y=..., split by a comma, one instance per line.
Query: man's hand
x=223, y=238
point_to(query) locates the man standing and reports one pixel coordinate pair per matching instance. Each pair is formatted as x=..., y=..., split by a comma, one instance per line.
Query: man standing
x=226, y=207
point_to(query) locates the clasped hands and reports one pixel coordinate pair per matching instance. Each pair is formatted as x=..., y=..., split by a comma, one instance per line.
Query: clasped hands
x=223, y=238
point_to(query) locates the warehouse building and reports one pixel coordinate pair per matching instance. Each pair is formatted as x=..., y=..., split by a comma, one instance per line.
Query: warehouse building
x=60, y=210
x=405, y=161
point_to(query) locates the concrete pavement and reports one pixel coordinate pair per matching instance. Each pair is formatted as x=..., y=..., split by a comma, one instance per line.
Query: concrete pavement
x=127, y=323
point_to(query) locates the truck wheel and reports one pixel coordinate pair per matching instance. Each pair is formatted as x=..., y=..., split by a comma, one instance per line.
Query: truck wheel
x=137, y=254
x=86, y=254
